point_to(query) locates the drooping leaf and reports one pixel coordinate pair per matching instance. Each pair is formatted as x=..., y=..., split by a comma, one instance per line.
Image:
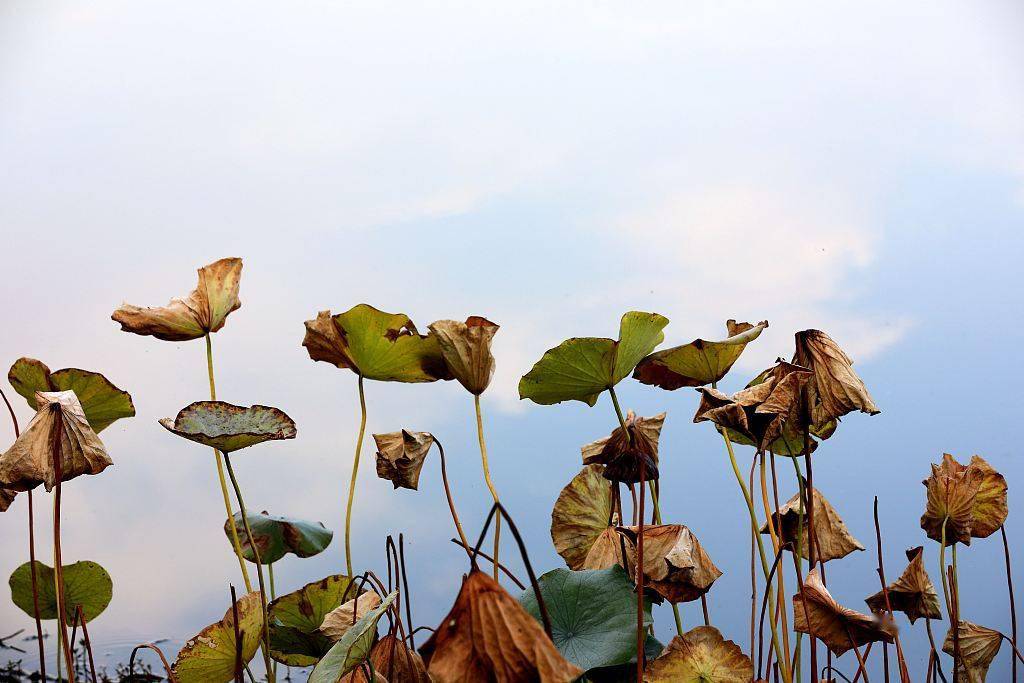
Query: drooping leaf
x=209, y=656
x=593, y=615
x=700, y=362
x=836, y=389
x=701, y=655
x=85, y=583
x=7, y=497
x=630, y=453
x=400, y=456
x=832, y=537
x=295, y=618
x=339, y=620
x=675, y=564
x=228, y=427
x=30, y=461
x=978, y=647
x=582, y=367
x=840, y=628
x=353, y=648
x=102, y=402
x=377, y=345
x=466, y=348
x=969, y=499
x=203, y=311
x=581, y=513
x=277, y=536
x=395, y=661
x=913, y=593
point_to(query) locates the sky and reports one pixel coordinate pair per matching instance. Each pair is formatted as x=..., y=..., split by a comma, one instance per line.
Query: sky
x=856, y=167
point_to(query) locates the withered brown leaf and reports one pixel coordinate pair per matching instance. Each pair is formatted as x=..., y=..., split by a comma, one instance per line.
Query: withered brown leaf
x=6, y=498
x=701, y=655
x=969, y=499
x=913, y=593
x=675, y=564
x=342, y=618
x=580, y=515
x=466, y=348
x=622, y=452
x=400, y=456
x=834, y=540
x=840, y=628
x=397, y=662
x=978, y=647
x=836, y=389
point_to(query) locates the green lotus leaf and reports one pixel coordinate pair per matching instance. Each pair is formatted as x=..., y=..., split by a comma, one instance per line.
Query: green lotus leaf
x=376, y=345
x=624, y=673
x=353, y=648
x=85, y=583
x=228, y=427
x=579, y=369
x=275, y=536
x=209, y=656
x=102, y=402
x=700, y=362
x=295, y=618
x=593, y=615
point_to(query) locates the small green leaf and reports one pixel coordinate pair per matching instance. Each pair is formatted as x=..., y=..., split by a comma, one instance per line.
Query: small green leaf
x=277, y=536
x=85, y=583
x=700, y=362
x=353, y=648
x=209, y=657
x=228, y=427
x=295, y=618
x=102, y=402
x=582, y=367
x=593, y=615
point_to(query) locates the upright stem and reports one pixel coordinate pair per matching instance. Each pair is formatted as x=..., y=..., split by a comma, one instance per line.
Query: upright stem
x=451, y=501
x=487, y=478
x=1013, y=607
x=352, y=481
x=776, y=545
x=904, y=675
x=811, y=555
x=640, y=635
x=58, y=567
x=220, y=474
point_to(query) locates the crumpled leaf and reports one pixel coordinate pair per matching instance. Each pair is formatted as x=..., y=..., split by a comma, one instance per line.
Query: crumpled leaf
x=277, y=536
x=580, y=515
x=593, y=615
x=400, y=456
x=29, y=462
x=102, y=402
x=228, y=427
x=675, y=564
x=701, y=655
x=978, y=647
x=836, y=389
x=488, y=636
x=203, y=311
x=579, y=369
x=913, y=593
x=466, y=348
x=354, y=647
x=970, y=498
x=85, y=583
x=834, y=540
x=209, y=656
x=6, y=498
x=622, y=452
x=700, y=362
x=395, y=661
x=376, y=345
x=338, y=621
x=295, y=618
x=832, y=623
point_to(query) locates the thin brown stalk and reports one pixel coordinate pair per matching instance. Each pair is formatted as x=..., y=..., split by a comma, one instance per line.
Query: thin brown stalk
x=904, y=674
x=238, y=636
x=856, y=651
x=58, y=568
x=505, y=570
x=405, y=588
x=753, y=574
x=779, y=610
x=80, y=619
x=171, y=678
x=811, y=555
x=704, y=608
x=1009, y=587
x=764, y=605
x=640, y=631
x=935, y=653
x=867, y=655
x=448, y=495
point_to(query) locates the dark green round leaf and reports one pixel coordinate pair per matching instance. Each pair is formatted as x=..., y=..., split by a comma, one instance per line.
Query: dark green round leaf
x=277, y=536
x=296, y=617
x=85, y=583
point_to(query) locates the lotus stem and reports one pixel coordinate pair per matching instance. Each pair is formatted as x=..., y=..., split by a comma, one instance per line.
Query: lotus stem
x=451, y=501
x=640, y=635
x=764, y=605
x=487, y=478
x=935, y=653
x=904, y=674
x=171, y=678
x=856, y=651
x=798, y=555
x=352, y=481
x=776, y=545
x=811, y=554
x=238, y=635
x=405, y=588
x=259, y=566
x=58, y=568
x=1013, y=607
x=80, y=619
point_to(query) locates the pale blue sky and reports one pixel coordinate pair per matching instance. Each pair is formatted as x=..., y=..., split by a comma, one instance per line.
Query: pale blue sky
x=852, y=166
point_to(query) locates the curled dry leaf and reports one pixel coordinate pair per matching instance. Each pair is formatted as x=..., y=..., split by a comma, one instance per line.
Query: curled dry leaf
x=580, y=516
x=834, y=540
x=836, y=389
x=354, y=647
x=913, y=593
x=397, y=662
x=701, y=655
x=209, y=657
x=228, y=427
x=700, y=362
x=203, y=311
x=29, y=462
x=466, y=348
x=970, y=499
x=488, y=636
x=400, y=456
x=375, y=345
x=102, y=402
x=675, y=564
x=978, y=647
x=623, y=452
x=840, y=628
x=338, y=621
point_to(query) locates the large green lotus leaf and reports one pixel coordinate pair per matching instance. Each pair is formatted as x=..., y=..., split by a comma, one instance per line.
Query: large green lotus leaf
x=102, y=402
x=353, y=648
x=85, y=583
x=700, y=362
x=624, y=673
x=209, y=657
x=579, y=369
x=276, y=536
x=593, y=615
x=295, y=618
x=228, y=427
x=374, y=344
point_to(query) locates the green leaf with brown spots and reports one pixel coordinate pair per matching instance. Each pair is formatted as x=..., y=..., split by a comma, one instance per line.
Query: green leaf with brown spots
x=102, y=402
x=295, y=618
x=228, y=427
x=85, y=583
x=209, y=656
x=275, y=536
x=700, y=362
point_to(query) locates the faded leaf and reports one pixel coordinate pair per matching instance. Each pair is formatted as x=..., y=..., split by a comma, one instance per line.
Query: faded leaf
x=29, y=462
x=700, y=362
x=354, y=647
x=209, y=657
x=701, y=655
x=295, y=619
x=834, y=540
x=488, y=636
x=85, y=583
x=623, y=451
x=579, y=369
x=203, y=311
x=338, y=621
x=970, y=499
x=580, y=515
x=6, y=498
x=990, y=509
x=102, y=402
x=606, y=551
x=228, y=427
x=913, y=593
x=400, y=456
x=675, y=564
x=466, y=348
x=395, y=661
x=836, y=389
x=840, y=628
x=275, y=536
x=376, y=345
x=978, y=647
